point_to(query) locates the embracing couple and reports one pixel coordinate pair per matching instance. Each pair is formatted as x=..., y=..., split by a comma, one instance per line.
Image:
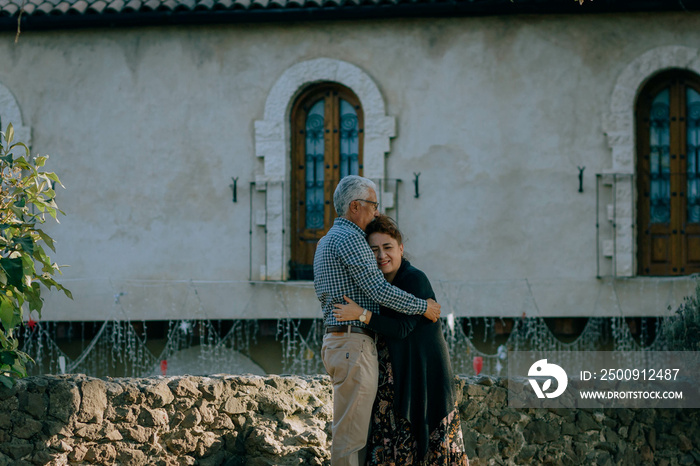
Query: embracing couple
x=393, y=388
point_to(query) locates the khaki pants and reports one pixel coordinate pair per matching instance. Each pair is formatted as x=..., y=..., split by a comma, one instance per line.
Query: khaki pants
x=351, y=361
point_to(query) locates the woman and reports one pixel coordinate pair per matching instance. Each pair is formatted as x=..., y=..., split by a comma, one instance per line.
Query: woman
x=415, y=419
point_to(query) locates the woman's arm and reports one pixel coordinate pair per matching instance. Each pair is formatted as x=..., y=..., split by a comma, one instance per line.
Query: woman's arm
x=393, y=327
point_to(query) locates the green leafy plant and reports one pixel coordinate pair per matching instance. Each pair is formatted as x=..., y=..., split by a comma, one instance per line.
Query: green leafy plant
x=682, y=330
x=26, y=196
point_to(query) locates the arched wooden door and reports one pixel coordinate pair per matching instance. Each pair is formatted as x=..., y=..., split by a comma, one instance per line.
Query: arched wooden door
x=668, y=174
x=327, y=139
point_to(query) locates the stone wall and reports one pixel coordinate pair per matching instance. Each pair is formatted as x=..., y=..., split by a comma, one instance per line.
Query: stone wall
x=279, y=420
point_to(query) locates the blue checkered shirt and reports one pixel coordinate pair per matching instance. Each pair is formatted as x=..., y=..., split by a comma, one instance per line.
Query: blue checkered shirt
x=344, y=264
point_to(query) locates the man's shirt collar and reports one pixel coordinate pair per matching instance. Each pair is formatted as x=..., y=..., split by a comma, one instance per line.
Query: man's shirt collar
x=344, y=222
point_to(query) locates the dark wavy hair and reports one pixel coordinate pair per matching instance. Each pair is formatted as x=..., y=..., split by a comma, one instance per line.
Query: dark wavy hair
x=384, y=224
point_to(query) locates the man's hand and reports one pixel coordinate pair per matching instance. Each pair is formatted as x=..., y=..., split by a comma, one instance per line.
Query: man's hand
x=433, y=311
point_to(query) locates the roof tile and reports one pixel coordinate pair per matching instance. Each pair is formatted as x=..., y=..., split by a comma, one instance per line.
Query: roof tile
x=43, y=9
x=167, y=5
x=62, y=7
x=187, y=5
x=97, y=7
x=204, y=5
x=133, y=5
x=115, y=6
x=80, y=6
x=11, y=9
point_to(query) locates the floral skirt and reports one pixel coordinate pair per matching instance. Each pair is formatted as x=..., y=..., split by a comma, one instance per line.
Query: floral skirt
x=391, y=442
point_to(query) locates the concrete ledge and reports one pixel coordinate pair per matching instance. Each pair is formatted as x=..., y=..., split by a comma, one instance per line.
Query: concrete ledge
x=285, y=420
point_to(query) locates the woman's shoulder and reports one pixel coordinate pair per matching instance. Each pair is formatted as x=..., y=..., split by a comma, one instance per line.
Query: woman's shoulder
x=412, y=272
x=414, y=281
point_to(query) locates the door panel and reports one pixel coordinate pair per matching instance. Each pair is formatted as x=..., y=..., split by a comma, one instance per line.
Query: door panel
x=327, y=140
x=668, y=175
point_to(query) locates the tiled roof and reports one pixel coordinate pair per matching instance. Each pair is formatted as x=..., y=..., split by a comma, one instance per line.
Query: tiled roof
x=94, y=13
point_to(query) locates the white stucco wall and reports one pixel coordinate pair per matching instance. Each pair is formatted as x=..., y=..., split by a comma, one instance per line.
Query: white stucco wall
x=146, y=127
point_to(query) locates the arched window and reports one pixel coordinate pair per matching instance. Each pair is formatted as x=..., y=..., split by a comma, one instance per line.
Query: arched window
x=327, y=140
x=668, y=174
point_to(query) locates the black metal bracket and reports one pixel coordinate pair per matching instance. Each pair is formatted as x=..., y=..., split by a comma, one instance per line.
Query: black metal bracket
x=415, y=182
x=580, y=178
x=234, y=188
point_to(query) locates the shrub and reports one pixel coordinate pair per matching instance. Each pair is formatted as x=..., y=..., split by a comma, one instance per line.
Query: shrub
x=26, y=196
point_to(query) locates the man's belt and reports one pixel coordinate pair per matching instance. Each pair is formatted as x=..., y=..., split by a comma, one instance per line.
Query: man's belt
x=349, y=329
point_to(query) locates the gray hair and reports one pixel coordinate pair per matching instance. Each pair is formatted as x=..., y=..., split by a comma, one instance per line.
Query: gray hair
x=350, y=188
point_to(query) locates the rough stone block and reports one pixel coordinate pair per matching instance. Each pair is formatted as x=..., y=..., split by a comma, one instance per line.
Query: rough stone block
x=584, y=421
x=651, y=438
x=176, y=418
x=181, y=442
x=112, y=434
x=64, y=400
x=27, y=428
x=192, y=418
x=208, y=413
x=283, y=384
x=208, y=444
x=129, y=396
x=569, y=429
x=470, y=411
x=540, y=431
x=78, y=453
x=263, y=440
x=272, y=403
x=216, y=459
x=17, y=448
x=61, y=446
x=183, y=404
x=211, y=390
x=101, y=454
x=646, y=416
x=234, y=405
x=496, y=397
x=153, y=417
x=42, y=457
x=158, y=395
x=526, y=454
x=113, y=389
x=128, y=414
x=325, y=412
x=93, y=402
x=312, y=437
x=91, y=432
x=185, y=460
x=138, y=434
x=33, y=403
x=477, y=390
x=185, y=387
x=487, y=450
x=684, y=443
x=131, y=456
x=222, y=422
x=232, y=444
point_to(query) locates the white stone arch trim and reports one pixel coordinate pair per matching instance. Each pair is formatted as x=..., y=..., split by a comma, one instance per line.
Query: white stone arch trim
x=10, y=113
x=619, y=128
x=272, y=141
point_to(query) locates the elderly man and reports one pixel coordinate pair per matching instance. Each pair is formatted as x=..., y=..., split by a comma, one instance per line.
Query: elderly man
x=344, y=265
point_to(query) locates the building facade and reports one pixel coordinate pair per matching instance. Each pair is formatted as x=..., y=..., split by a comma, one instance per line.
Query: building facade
x=541, y=165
